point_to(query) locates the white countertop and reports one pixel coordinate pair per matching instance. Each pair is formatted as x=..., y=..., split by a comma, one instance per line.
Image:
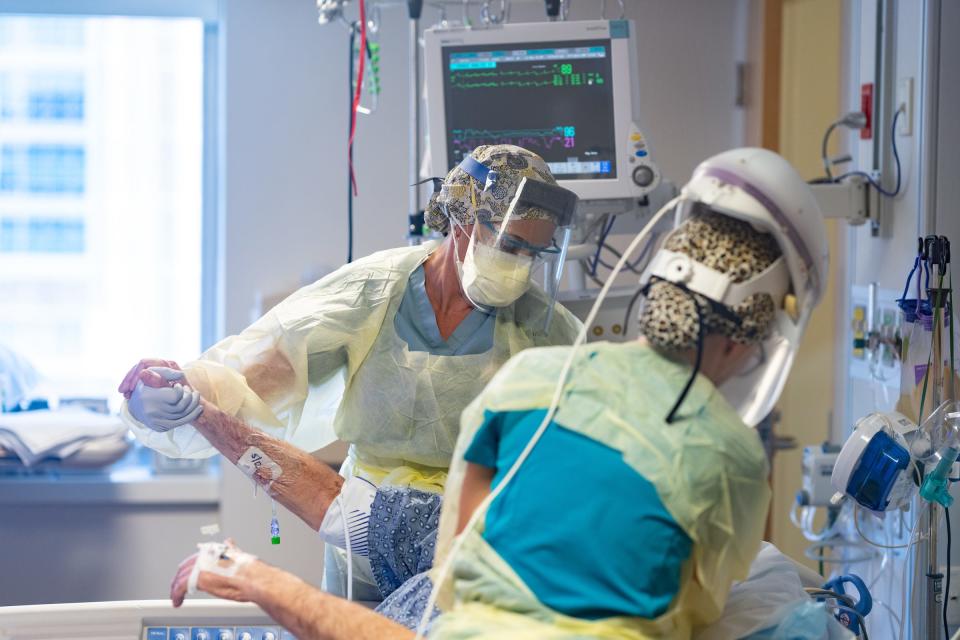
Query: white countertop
x=130, y=481
x=132, y=485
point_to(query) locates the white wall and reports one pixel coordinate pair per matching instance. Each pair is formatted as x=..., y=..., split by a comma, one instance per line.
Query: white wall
x=886, y=258
x=948, y=149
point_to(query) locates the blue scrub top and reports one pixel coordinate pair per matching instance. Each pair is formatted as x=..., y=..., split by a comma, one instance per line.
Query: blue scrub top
x=584, y=531
x=416, y=324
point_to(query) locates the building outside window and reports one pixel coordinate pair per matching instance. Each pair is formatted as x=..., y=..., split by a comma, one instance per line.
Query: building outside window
x=101, y=194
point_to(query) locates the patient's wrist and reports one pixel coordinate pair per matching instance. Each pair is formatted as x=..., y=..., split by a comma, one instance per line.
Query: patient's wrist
x=209, y=414
x=266, y=583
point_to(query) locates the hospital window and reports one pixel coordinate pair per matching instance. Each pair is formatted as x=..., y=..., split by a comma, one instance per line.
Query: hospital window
x=27, y=94
x=55, y=32
x=101, y=193
x=56, y=97
x=6, y=98
x=42, y=235
x=42, y=168
x=43, y=34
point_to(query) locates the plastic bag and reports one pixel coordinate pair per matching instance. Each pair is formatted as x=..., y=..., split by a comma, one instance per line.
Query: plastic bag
x=804, y=621
x=916, y=333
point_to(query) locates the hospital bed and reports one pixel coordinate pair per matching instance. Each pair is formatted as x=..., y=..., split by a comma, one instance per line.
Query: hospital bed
x=775, y=582
x=201, y=619
x=775, y=585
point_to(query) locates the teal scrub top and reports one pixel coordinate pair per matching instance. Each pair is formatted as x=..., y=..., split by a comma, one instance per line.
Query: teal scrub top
x=585, y=532
x=416, y=324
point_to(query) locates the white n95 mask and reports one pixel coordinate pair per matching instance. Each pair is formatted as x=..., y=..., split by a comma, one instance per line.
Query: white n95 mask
x=493, y=278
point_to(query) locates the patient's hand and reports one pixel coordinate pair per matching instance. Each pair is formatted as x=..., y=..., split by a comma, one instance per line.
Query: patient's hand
x=140, y=373
x=235, y=579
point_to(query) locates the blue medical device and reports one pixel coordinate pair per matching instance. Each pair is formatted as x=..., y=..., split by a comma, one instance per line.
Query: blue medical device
x=850, y=616
x=874, y=465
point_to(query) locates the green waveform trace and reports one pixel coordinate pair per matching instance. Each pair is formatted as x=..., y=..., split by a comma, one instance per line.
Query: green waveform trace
x=515, y=84
x=555, y=80
x=507, y=73
x=504, y=79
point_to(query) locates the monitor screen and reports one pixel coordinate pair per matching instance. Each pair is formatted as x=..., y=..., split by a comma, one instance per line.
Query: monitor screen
x=553, y=98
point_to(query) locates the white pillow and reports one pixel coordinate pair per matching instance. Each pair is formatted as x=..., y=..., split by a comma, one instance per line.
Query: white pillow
x=760, y=601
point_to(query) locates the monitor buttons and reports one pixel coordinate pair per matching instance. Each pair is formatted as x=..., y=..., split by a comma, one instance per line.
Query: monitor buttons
x=643, y=176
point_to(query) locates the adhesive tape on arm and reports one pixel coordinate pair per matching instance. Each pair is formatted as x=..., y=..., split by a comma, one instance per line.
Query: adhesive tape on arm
x=218, y=558
x=253, y=459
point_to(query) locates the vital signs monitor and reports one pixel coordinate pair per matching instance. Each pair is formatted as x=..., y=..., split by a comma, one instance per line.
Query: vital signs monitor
x=567, y=91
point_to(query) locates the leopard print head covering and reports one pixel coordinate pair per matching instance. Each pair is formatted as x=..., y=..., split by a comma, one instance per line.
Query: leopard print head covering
x=668, y=318
x=466, y=200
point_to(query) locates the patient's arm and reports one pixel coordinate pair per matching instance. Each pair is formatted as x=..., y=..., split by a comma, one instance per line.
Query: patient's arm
x=306, y=486
x=476, y=487
x=310, y=614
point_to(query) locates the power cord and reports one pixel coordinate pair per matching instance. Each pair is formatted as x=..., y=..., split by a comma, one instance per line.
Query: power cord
x=603, y=239
x=849, y=121
x=896, y=157
x=852, y=120
x=632, y=268
x=946, y=591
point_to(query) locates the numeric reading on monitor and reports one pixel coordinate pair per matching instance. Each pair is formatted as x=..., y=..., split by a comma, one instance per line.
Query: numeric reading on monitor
x=567, y=96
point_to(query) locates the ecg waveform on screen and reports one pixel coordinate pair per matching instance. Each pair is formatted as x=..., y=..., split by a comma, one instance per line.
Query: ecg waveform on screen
x=558, y=75
x=466, y=140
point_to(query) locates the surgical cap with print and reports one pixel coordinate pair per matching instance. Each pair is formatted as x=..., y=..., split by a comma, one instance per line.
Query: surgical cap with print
x=464, y=199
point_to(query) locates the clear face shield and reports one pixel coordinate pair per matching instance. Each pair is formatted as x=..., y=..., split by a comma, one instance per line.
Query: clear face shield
x=533, y=236
x=754, y=390
x=503, y=256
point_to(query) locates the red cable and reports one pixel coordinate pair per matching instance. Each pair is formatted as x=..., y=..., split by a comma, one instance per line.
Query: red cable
x=356, y=95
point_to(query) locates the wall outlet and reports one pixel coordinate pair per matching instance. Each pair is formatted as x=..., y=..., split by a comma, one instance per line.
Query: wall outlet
x=905, y=102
